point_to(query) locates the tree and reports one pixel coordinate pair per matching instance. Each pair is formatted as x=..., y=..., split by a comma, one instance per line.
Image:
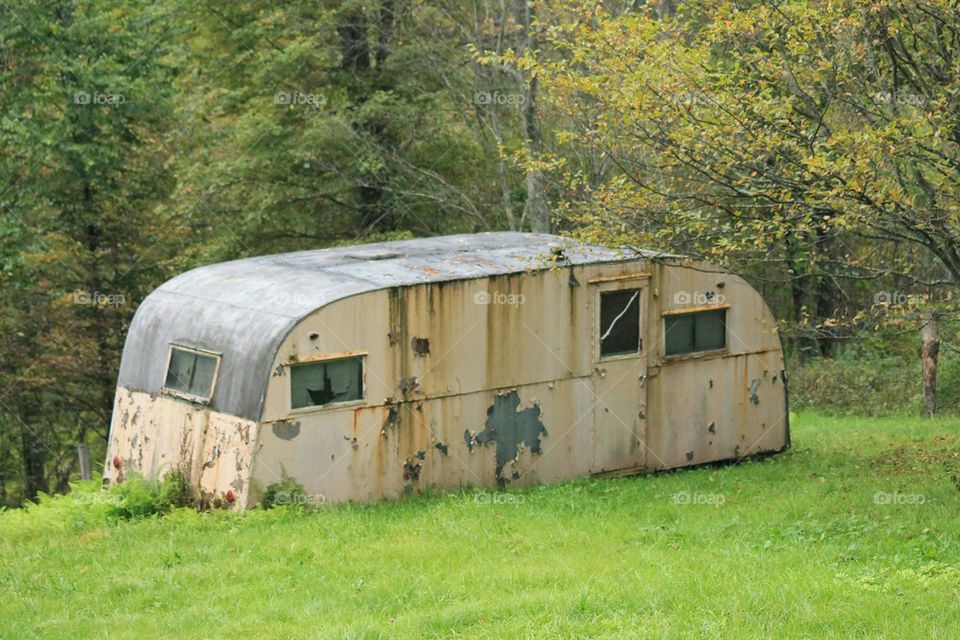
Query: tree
x=814, y=143
x=323, y=123
x=85, y=105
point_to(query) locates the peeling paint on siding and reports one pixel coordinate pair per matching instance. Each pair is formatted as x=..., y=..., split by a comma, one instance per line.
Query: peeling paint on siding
x=510, y=429
x=420, y=346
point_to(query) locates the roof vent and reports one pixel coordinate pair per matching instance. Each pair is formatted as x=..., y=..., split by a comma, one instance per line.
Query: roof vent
x=373, y=255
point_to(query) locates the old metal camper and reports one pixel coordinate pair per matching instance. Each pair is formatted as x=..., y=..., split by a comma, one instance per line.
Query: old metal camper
x=494, y=359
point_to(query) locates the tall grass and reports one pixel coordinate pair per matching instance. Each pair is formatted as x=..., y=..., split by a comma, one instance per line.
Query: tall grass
x=853, y=533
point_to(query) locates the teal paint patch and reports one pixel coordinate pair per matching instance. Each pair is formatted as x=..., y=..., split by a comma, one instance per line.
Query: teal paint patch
x=508, y=429
x=286, y=430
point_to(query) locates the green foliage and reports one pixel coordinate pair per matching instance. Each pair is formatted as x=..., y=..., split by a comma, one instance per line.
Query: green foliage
x=143, y=138
x=86, y=506
x=176, y=490
x=858, y=381
x=878, y=375
x=138, y=497
x=287, y=492
x=296, y=144
x=84, y=111
x=851, y=533
x=811, y=146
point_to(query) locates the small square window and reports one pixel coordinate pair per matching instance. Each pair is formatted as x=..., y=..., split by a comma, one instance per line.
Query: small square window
x=321, y=383
x=191, y=372
x=693, y=332
x=620, y=322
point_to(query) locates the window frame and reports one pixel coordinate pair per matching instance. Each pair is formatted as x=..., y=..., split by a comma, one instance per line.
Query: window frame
x=330, y=406
x=638, y=292
x=706, y=353
x=218, y=357
x=612, y=284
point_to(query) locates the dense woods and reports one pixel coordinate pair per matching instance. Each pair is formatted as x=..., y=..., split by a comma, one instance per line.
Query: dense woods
x=812, y=147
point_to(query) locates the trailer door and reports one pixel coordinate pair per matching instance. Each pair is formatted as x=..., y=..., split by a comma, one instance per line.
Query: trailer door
x=619, y=373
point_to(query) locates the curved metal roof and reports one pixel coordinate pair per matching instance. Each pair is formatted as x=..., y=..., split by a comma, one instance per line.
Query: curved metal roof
x=244, y=309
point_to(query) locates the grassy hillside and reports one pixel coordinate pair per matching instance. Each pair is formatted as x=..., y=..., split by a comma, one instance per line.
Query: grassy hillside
x=855, y=533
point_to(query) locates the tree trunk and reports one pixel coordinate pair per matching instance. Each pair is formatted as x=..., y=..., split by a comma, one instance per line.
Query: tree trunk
x=806, y=346
x=354, y=46
x=4, y=457
x=929, y=349
x=83, y=454
x=384, y=32
x=537, y=209
x=501, y=167
x=33, y=456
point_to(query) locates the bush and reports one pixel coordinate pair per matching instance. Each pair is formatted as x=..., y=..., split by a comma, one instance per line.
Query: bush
x=176, y=491
x=873, y=377
x=88, y=505
x=138, y=498
x=85, y=507
x=284, y=493
x=141, y=498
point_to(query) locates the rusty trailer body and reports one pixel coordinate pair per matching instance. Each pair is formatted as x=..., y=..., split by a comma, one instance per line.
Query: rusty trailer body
x=500, y=359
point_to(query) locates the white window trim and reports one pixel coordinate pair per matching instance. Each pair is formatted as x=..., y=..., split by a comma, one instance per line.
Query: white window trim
x=189, y=396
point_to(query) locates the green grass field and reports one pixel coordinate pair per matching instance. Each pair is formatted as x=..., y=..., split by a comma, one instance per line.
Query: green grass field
x=854, y=533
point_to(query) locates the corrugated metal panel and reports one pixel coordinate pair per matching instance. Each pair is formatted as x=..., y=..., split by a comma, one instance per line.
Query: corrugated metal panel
x=244, y=308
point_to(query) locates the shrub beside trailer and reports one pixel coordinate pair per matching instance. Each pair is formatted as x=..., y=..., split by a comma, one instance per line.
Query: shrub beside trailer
x=493, y=360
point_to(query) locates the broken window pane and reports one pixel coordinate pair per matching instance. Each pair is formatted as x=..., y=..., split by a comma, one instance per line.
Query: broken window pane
x=190, y=372
x=326, y=382
x=692, y=332
x=620, y=322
